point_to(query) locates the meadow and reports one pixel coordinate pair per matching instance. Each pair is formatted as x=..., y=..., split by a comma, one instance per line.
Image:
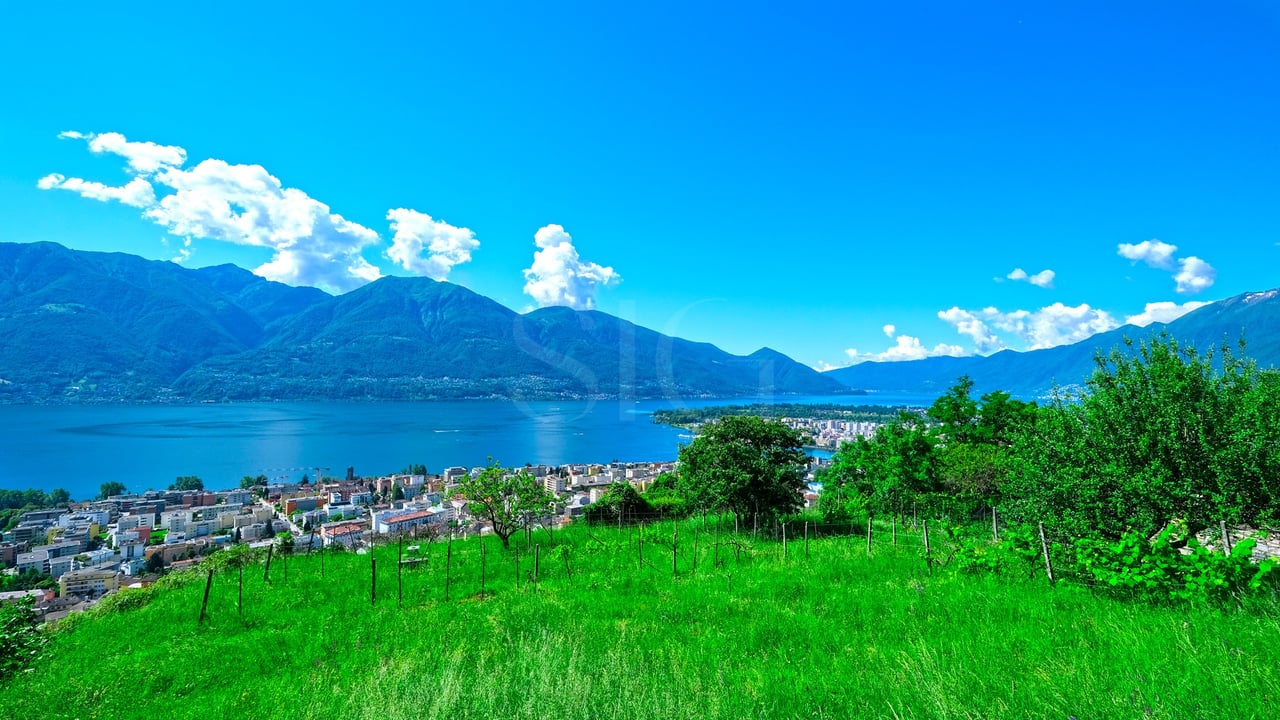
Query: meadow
x=610, y=629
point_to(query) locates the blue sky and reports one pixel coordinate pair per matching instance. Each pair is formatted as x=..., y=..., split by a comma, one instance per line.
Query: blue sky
x=831, y=180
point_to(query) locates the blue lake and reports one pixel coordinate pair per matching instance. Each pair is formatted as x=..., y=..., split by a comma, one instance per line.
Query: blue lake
x=147, y=446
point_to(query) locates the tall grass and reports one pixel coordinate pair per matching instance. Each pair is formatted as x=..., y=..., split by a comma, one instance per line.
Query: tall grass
x=837, y=634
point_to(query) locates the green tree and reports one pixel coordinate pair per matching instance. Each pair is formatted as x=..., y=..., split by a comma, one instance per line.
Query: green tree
x=107, y=489
x=251, y=481
x=59, y=497
x=504, y=498
x=620, y=501
x=187, y=482
x=745, y=465
x=397, y=492
x=956, y=413
x=1161, y=433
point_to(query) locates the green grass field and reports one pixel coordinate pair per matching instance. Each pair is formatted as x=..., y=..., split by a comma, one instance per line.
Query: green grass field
x=835, y=635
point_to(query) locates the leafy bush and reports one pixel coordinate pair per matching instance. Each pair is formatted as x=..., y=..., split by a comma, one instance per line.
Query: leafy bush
x=20, y=637
x=1157, y=569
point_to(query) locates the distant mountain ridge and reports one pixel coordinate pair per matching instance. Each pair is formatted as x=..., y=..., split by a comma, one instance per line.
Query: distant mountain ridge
x=85, y=326
x=1253, y=316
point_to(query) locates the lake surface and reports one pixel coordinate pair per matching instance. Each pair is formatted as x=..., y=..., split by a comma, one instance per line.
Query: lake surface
x=147, y=446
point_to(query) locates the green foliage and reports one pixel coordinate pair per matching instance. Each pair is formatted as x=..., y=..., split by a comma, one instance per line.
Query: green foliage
x=187, y=482
x=840, y=505
x=1163, y=433
x=20, y=639
x=251, y=481
x=507, y=499
x=744, y=465
x=27, y=579
x=1157, y=569
x=109, y=488
x=663, y=495
x=620, y=503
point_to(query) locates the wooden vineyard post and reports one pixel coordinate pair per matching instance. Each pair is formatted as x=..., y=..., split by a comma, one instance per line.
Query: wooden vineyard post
x=266, y=574
x=205, y=603
x=735, y=523
x=1226, y=539
x=517, y=549
x=868, y=534
x=995, y=528
x=536, y=562
x=695, y=550
x=482, y=563
x=715, y=562
x=806, y=539
x=674, y=537
x=1044, y=546
x=784, y=541
x=240, y=594
x=893, y=527
x=927, y=560
x=640, y=547
x=755, y=525
x=322, y=554
x=373, y=580
x=915, y=518
x=448, y=566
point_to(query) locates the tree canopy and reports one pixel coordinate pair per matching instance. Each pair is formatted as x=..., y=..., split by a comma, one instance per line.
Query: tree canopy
x=187, y=482
x=745, y=465
x=109, y=488
x=505, y=498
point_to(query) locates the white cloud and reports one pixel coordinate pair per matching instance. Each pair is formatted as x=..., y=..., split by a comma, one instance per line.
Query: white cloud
x=142, y=157
x=1053, y=325
x=135, y=193
x=1154, y=253
x=241, y=204
x=890, y=330
x=426, y=246
x=968, y=323
x=559, y=276
x=246, y=205
x=1194, y=275
x=906, y=348
x=1043, y=279
x=1162, y=312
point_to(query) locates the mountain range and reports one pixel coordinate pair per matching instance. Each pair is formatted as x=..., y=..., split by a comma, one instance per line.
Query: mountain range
x=82, y=326
x=1252, y=317
x=110, y=327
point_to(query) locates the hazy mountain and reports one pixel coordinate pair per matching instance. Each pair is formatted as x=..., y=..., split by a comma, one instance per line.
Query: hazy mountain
x=106, y=326
x=1252, y=316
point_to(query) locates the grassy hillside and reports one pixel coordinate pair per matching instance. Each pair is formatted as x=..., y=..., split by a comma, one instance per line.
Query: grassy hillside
x=836, y=634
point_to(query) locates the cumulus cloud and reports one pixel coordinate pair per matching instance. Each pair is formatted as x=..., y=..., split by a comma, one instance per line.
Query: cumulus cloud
x=890, y=330
x=1154, y=253
x=1162, y=312
x=1053, y=325
x=246, y=205
x=906, y=347
x=136, y=193
x=426, y=246
x=1043, y=279
x=968, y=323
x=1050, y=326
x=1194, y=275
x=559, y=276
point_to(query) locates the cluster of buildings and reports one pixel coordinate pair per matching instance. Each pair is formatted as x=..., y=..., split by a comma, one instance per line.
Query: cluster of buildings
x=828, y=434
x=92, y=549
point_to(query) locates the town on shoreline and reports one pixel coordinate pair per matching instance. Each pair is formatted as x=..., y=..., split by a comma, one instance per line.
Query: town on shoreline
x=71, y=557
